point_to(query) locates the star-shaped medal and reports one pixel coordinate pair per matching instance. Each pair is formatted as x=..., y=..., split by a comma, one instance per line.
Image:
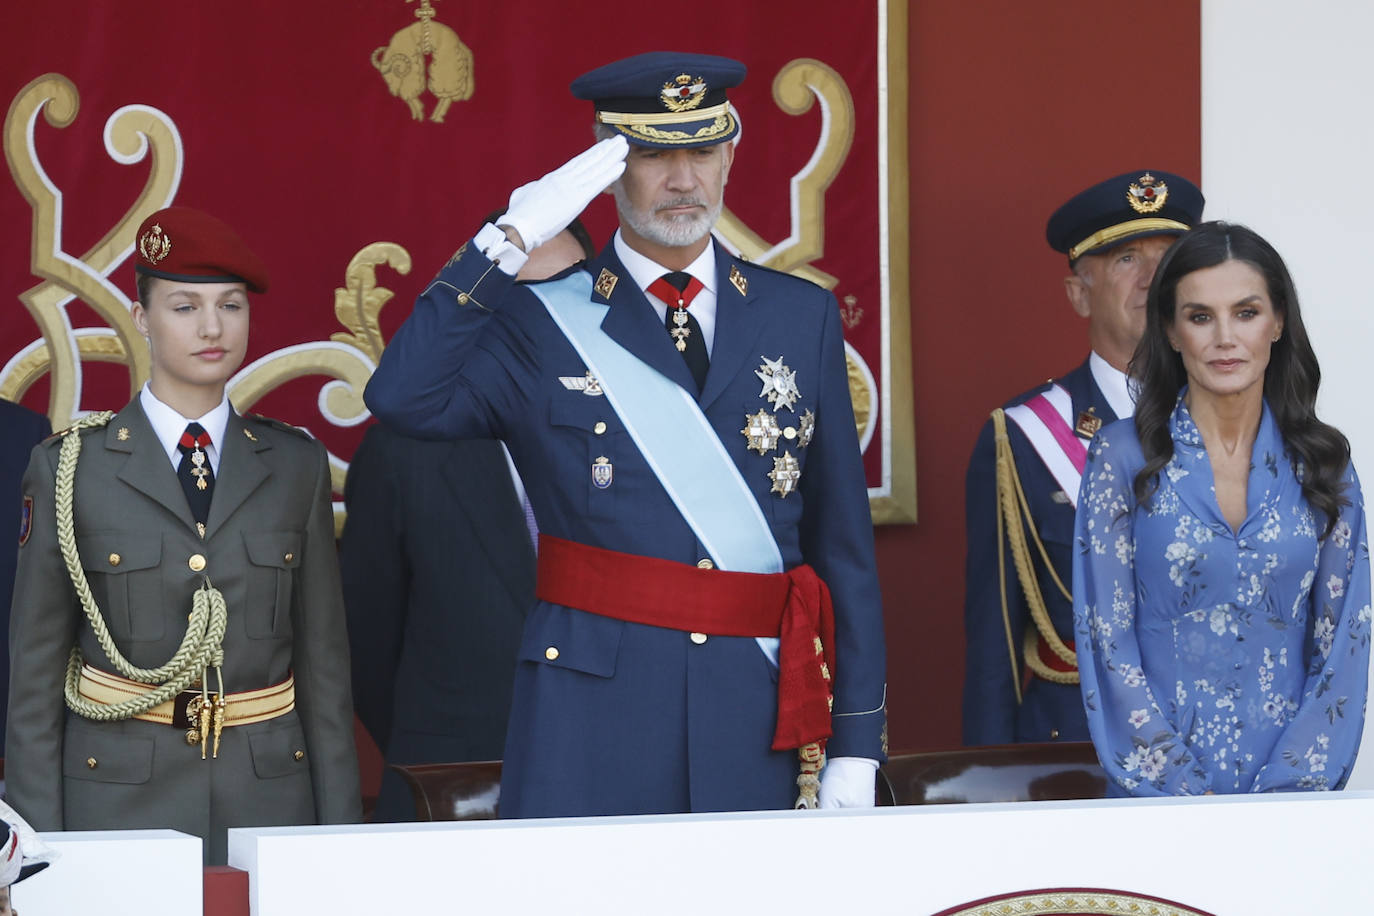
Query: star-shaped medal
x=808, y=428
x=761, y=429
x=785, y=474
x=779, y=383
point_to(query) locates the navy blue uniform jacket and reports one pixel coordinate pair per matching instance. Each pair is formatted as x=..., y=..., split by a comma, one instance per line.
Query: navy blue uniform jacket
x=20, y=430
x=1048, y=711
x=626, y=718
x=438, y=574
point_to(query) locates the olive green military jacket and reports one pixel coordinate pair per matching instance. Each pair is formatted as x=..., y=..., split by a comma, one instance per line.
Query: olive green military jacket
x=269, y=548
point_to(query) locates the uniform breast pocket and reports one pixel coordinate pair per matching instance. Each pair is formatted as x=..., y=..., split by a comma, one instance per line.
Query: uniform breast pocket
x=273, y=558
x=125, y=574
x=595, y=440
x=1055, y=525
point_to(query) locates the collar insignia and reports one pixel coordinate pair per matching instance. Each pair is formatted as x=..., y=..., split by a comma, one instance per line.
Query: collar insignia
x=249, y=433
x=154, y=244
x=123, y=434
x=1147, y=194
x=739, y=281
x=683, y=93
x=1088, y=423
x=605, y=283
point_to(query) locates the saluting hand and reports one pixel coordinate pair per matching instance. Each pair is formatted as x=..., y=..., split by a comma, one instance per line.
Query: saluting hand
x=541, y=209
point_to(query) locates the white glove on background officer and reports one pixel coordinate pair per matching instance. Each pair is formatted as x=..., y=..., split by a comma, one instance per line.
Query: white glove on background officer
x=848, y=782
x=541, y=209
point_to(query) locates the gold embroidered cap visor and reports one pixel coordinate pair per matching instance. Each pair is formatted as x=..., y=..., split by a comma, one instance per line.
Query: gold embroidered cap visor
x=665, y=99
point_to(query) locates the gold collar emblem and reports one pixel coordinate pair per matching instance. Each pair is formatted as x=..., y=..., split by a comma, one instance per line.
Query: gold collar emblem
x=739, y=281
x=605, y=283
x=1088, y=423
x=1147, y=194
x=154, y=244
x=683, y=93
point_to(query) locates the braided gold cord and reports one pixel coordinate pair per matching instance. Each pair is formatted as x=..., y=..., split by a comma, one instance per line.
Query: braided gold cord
x=1012, y=500
x=201, y=646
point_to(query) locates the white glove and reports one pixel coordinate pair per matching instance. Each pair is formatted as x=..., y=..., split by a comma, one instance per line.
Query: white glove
x=848, y=782
x=541, y=209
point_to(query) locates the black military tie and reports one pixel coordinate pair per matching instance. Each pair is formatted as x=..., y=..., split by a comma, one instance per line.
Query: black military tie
x=678, y=289
x=197, y=479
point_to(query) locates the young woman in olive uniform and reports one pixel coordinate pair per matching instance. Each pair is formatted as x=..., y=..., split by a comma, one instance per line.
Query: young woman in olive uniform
x=186, y=554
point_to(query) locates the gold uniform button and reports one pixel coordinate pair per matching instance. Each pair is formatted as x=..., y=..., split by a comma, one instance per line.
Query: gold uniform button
x=1054, y=733
x=289, y=557
x=462, y=298
x=551, y=653
x=197, y=562
x=790, y=432
x=600, y=427
x=698, y=638
x=92, y=763
x=298, y=756
x=705, y=563
x=114, y=559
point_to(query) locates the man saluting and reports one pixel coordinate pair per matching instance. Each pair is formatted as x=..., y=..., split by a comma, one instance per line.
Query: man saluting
x=709, y=619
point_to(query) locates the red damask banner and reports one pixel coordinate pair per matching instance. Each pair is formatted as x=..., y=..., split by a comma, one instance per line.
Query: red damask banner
x=356, y=144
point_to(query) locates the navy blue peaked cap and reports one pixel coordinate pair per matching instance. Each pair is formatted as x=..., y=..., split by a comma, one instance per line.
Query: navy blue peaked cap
x=1130, y=206
x=664, y=98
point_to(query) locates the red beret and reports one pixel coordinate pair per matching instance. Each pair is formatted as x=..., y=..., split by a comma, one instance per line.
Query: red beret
x=180, y=243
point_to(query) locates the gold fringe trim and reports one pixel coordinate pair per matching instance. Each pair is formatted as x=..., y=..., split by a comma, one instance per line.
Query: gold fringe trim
x=1015, y=519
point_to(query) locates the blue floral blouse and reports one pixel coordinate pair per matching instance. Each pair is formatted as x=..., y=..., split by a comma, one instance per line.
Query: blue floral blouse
x=1214, y=660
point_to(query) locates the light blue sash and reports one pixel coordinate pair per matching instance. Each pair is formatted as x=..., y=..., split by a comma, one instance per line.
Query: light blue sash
x=671, y=432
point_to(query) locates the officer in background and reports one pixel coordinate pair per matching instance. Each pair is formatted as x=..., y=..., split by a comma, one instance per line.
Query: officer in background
x=186, y=553
x=1021, y=676
x=20, y=430
x=437, y=561
x=628, y=392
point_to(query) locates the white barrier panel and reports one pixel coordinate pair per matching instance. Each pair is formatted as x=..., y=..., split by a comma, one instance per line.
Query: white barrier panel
x=117, y=873
x=1226, y=855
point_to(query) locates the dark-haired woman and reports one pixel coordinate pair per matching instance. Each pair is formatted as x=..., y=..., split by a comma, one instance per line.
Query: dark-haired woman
x=1221, y=583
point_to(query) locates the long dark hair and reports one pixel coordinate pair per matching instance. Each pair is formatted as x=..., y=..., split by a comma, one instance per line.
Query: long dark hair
x=1319, y=453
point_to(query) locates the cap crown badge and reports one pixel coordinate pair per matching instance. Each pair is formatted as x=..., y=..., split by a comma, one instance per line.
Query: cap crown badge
x=1147, y=194
x=683, y=93
x=154, y=244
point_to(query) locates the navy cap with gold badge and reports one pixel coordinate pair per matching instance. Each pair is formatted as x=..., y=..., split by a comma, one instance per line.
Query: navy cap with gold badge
x=191, y=246
x=665, y=99
x=1130, y=206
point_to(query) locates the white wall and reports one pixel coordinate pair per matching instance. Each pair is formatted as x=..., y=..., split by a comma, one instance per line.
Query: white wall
x=1288, y=149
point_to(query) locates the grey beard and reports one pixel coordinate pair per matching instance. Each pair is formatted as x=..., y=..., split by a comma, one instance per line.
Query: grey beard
x=671, y=232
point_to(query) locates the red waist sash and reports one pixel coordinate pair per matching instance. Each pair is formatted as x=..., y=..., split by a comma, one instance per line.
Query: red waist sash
x=793, y=606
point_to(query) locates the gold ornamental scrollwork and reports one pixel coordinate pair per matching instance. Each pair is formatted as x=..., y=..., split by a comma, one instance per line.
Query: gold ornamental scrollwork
x=799, y=85
x=347, y=358
x=132, y=133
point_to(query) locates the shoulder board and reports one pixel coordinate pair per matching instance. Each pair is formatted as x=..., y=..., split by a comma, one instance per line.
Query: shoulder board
x=1025, y=396
x=746, y=266
x=96, y=420
x=278, y=424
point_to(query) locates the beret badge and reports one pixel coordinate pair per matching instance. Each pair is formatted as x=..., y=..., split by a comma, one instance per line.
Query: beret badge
x=683, y=93
x=154, y=244
x=1147, y=194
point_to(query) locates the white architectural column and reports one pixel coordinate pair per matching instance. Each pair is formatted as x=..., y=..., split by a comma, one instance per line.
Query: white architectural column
x=1288, y=149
